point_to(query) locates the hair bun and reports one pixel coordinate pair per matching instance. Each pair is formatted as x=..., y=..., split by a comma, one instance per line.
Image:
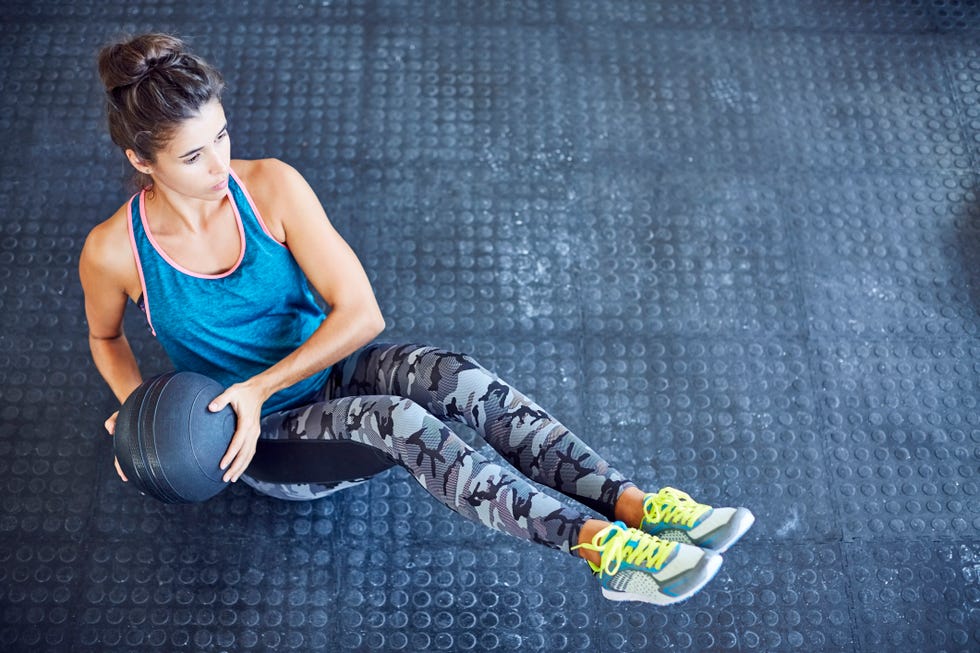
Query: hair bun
x=127, y=62
x=153, y=84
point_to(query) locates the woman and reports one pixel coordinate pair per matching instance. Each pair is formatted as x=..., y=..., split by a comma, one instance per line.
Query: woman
x=220, y=255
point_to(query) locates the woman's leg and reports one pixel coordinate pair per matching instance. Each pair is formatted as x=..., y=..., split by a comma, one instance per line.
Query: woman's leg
x=630, y=564
x=453, y=472
x=455, y=387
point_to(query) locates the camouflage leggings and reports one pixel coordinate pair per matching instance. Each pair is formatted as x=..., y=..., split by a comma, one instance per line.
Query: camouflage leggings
x=395, y=398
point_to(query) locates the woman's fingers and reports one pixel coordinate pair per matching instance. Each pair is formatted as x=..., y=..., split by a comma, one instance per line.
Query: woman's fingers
x=220, y=401
x=236, y=444
x=246, y=401
x=242, y=460
x=238, y=456
x=240, y=451
x=119, y=470
x=110, y=424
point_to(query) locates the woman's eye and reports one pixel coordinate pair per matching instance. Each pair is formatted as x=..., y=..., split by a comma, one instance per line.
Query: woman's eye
x=192, y=159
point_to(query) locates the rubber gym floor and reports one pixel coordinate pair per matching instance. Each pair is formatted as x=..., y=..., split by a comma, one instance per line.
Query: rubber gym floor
x=733, y=244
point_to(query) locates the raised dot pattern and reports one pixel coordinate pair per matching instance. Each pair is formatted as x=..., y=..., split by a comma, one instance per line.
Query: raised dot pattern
x=904, y=436
x=731, y=244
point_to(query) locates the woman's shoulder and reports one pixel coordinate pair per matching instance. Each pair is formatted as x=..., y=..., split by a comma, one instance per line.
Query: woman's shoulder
x=271, y=184
x=263, y=177
x=111, y=234
x=107, y=248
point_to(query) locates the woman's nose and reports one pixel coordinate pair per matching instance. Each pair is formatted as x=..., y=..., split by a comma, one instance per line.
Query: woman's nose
x=218, y=167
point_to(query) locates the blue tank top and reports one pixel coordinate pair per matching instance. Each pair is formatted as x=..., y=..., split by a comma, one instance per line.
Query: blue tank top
x=234, y=325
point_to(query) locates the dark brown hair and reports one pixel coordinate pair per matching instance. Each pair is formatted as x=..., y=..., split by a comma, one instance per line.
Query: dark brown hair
x=152, y=84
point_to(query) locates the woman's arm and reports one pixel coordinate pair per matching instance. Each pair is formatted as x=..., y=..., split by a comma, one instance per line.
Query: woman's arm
x=332, y=269
x=102, y=269
x=335, y=272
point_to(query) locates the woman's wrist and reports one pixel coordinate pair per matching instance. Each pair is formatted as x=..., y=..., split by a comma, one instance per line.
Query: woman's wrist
x=262, y=385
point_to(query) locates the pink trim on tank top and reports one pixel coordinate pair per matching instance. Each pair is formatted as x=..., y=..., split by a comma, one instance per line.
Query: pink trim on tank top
x=139, y=266
x=255, y=209
x=177, y=266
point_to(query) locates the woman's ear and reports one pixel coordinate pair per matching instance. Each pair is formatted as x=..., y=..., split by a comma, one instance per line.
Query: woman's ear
x=138, y=163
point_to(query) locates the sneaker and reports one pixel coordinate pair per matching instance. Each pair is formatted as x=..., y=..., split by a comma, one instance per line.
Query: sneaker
x=639, y=567
x=673, y=515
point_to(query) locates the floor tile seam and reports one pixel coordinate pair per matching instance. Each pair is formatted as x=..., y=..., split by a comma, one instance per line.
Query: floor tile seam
x=808, y=315
x=958, y=101
x=822, y=428
x=176, y=21
x=619, y=26
x=797, y=259
x=733, y=161
x=908, y=340
x=779, y=175
x=751, y=337
x=89, y=532
x=798, y=30
x=777, y=168
x=883, y=542
x=581, y=349
x=750, y=28
x=373, y=16
x=176, y=539
x=433, y=25
x=853, y=612
x=785, y=163
x=889, y=542
x=361, y=148
x=587, y=335
x=757, y=30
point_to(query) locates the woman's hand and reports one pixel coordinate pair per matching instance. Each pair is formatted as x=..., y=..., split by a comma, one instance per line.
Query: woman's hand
x=246, y=400
x=110, y=426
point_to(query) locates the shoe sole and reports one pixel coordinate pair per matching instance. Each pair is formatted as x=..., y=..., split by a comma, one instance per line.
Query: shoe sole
x=711, y=568
x=743, y=520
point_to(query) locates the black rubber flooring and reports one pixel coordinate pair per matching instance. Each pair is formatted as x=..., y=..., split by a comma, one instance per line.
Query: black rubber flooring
x=735, y=245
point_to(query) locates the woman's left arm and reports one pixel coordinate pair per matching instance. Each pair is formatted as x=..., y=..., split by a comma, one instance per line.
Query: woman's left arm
x=335, y=272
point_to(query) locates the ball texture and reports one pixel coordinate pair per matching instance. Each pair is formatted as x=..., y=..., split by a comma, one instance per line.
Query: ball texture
x=167, y=441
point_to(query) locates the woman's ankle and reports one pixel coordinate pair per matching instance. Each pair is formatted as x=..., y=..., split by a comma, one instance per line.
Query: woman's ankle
x=585, y=536
x=629, y=507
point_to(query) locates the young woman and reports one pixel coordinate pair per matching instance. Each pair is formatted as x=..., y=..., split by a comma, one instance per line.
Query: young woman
x=220, y=255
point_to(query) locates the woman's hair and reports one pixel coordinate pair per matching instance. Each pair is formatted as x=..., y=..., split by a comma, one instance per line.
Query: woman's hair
x=152, y=84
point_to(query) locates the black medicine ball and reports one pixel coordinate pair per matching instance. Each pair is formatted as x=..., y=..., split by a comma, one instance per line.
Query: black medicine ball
x=167, y=441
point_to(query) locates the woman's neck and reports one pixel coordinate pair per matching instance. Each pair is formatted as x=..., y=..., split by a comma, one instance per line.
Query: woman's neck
x=174, y=212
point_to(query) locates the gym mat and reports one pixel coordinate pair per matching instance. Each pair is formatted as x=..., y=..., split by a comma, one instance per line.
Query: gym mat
x=733, y=244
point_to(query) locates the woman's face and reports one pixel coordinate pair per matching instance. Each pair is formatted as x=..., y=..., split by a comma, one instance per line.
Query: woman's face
x=197, y=159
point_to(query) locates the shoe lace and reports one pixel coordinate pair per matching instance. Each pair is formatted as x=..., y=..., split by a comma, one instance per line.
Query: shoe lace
x=671, y=506
x=627, y=545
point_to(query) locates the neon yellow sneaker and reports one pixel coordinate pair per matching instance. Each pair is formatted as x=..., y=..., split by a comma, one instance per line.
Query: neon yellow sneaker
x=639, y=567
x=673, y=515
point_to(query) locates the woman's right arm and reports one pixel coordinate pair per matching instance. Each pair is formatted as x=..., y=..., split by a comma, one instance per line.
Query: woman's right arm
x=106, y=268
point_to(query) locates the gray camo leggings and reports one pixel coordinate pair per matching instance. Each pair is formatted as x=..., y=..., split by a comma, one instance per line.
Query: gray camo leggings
x=396, y=398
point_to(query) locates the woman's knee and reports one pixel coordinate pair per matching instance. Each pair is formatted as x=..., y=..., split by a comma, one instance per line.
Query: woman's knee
x=426, y=357
x=399, y=418
x=409, y=433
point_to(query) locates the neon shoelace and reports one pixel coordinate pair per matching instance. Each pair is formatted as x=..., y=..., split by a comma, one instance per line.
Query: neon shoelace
x=671, y=506
x=628, y=545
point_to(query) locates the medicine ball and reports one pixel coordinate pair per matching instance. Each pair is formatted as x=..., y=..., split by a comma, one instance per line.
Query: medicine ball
x=167, y=441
